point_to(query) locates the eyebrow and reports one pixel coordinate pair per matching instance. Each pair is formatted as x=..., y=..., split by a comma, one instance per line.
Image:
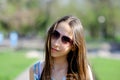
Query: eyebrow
x=63, y=35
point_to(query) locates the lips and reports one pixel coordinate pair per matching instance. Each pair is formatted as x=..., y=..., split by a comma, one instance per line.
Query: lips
x=54, y=50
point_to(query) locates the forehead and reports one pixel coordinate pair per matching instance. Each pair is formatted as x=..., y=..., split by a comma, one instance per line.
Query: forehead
x=65, y=29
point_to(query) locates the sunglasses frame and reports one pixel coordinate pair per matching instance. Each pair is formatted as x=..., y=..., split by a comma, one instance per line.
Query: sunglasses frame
x=64, y=39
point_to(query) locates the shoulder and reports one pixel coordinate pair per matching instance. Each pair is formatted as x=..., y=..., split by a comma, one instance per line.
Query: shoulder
x=38, y=66
x=36, y=69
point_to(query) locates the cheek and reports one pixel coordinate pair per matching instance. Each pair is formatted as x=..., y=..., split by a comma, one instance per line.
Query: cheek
x=66, y=48
x=52, y=41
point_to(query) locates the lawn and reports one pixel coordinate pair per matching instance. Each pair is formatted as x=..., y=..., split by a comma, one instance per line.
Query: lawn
x=13, y=63
x=106, y=69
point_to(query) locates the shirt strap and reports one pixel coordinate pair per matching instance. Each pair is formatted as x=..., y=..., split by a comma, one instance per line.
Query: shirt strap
x=36, y=69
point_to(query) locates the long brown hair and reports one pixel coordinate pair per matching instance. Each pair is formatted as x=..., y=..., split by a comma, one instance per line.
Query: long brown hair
x=77, y=61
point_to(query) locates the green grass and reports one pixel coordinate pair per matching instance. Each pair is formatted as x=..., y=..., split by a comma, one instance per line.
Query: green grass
x=12, y=63
x=106, y=69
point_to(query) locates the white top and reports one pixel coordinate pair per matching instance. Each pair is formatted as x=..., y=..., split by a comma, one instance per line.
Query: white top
x=38, y=70
x=90, y=73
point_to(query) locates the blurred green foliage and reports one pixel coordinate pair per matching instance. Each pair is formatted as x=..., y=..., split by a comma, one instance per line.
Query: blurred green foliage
x=100, y=18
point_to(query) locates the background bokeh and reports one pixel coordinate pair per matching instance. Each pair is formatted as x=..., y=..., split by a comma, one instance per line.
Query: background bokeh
x=24, y=24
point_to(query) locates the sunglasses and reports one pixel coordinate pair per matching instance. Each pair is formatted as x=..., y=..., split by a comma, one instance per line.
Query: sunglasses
x=56, y=35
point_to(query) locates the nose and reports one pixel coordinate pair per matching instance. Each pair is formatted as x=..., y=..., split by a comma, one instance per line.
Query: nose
x=57, y=42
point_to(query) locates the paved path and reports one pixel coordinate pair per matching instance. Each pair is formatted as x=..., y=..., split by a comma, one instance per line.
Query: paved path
x=25, y=74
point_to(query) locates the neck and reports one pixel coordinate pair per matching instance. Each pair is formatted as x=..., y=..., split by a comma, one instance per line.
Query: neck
x=60, y=66
x=60, y=63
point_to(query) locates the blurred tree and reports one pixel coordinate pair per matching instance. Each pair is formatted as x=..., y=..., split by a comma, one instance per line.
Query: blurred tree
x=43, y=19
x=99, y=17
x=104, y=17
x=4, y=26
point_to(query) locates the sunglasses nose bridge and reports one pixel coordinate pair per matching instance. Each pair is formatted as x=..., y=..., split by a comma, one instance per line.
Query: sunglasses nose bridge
x=58, y=40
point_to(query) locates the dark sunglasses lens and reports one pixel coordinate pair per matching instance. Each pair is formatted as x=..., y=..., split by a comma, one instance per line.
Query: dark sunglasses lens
x=65, y=39
x=55, y=35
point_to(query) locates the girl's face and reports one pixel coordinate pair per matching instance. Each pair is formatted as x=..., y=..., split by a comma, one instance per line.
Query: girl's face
x=61, y=40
